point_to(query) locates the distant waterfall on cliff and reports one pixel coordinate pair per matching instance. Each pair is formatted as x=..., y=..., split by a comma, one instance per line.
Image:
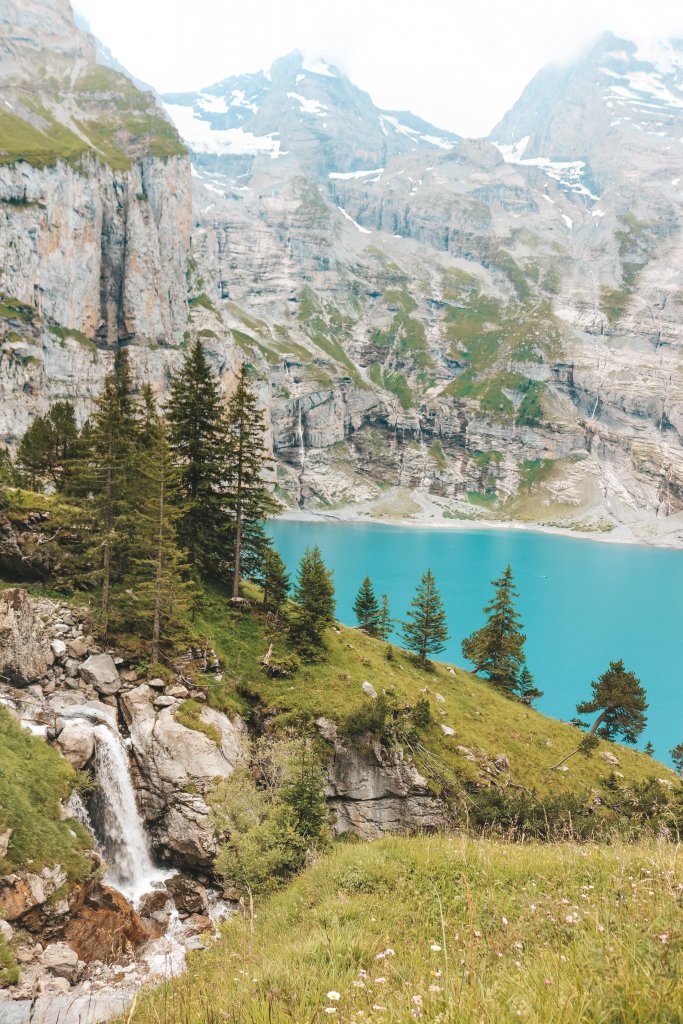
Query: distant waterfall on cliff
x=300, y=435
x=122, y=833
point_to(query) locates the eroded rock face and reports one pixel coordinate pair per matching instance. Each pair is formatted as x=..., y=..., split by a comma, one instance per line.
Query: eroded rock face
x=103, y=925
x=25, y=652
x=176, y=767
x=374, y=791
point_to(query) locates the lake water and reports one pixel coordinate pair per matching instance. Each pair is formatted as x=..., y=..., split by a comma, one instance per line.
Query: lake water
x=583, y=603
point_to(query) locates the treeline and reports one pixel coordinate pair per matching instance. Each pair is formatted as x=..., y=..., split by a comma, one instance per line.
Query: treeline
x=166, y=498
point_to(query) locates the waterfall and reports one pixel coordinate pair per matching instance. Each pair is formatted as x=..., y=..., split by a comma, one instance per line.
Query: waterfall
x=300, y=434
x=122, y=834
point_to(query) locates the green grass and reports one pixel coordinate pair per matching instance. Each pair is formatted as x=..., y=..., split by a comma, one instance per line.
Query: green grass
x=34, y=778
x=483, y=719
x=438, y=455
x=189, y=714
x=477, y=932
x=21, y=141
x=204, y=302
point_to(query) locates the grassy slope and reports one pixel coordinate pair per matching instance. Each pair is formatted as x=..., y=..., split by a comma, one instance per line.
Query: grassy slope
x=483, y=720
x=480, y=932
x=34, y=779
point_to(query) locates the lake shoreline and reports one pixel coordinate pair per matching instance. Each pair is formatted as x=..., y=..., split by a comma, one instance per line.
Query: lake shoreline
x=625, y=534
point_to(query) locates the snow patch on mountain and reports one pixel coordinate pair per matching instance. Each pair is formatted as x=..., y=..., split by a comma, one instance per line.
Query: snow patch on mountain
x=350, y=175
x=568, y=173
x=202, y=138
x=318, y=67
x=308, y=106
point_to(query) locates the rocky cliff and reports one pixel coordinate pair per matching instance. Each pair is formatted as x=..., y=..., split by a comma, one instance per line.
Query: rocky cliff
x=491, y=325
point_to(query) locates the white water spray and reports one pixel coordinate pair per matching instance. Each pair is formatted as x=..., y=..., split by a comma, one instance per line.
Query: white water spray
x=300, y=435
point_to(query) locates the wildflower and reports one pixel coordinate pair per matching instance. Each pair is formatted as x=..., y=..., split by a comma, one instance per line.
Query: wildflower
x=363, y=973
x=330, y=1009
x=547, y=981
x=476, y=934
x=435, y=988
x=601, y=927
x=436, y=974
x=333, y=996
x=663, y=938
x=359, y=984
x=417, y=1000
x=518, y=964
x=532, y=906
x=380, y=981
x=504, y=920
x=376, y=1006
x=572, y=918
x=389, y=951
x=435, y=947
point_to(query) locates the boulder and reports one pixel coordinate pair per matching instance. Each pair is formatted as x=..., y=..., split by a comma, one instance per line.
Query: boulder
x=21, y=892
x=58, y=648
x=103, y=925
x=188, y=895
x=177, y=766
x=501, y=762
x=101, y=672
x=4, y=842
x=447, y=731
x=609, y=757
x=154, y=903
x=61, y=961
x=197, y=924
x=369, y=690
x=6, y=931
x=71, y=667
x=77, y=743
x=25, y=652
x=78, y=648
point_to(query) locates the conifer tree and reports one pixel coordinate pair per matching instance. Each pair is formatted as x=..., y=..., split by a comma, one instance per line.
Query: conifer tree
x=156, y=584
x=620, y=700
x=47, y=446
x=198, y=441
x=275, y=580
x=104, y=477
x=367, y=611
x=426, y=632
x=314, y=596
x=527, y=691
x=247, y=458
x=497, y=649
x=7, y=470
x=649, y=748
x=384, y=628
x=677, y=758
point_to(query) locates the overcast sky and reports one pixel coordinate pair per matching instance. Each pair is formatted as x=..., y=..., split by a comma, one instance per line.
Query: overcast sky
x=459, y=65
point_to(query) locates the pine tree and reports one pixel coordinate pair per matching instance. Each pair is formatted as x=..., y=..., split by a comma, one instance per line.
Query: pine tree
x=426, y=631
x=384, y=628
x=367, y=611
x=275, y=580
x=649, y=749
x=620, y=700
x=103, y=476
x=198, y=441
x=248, y=498
x=677, y=758
x=526, y=689
x=7, y=471
x=156, y=582
x=314, y=596
x=47, y=446
x=497, y=649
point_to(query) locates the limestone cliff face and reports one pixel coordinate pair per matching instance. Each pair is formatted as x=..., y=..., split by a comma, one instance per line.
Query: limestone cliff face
x=97, y=250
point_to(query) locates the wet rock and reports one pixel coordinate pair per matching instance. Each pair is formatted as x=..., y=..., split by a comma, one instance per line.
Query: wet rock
x=188, y=895
x=103, y=925
x=197, y=924
x=25, y=653
x=155, y=903
x=101, y=672
x=77, y=743
x=232, y=894
x=61, y=961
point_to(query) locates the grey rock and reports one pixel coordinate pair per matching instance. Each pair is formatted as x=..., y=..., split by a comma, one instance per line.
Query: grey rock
x=608, y=756
x=100, y=671
x=77, y=743
x=71, y=667
x=61, y=961
x=58, y=648
x=447, y=730
x=369, y=690
x=6, y=931
x=189, y=896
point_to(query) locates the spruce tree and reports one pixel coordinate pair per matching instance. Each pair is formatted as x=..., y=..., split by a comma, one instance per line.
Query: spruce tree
x=426, y=632
x=247, y=458
x=367, y=610
x=677, y=758
x=198, y=441
x=314, y=596
x=497, y=649
x=104, y=477
x=47, y=447
x=527, y=691
x=384, y=628
x=156, y=582
x=275, y=580
x=620, y=700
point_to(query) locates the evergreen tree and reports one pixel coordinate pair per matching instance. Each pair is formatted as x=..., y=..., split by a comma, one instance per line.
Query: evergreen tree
x=314, y=596
x=275, y=580
x=426, y=632
x=526, y=689
x=104, y=477
x=155, y=583
x=7, y=471
x=649, y=749
x=248, y=498
x=384, y=628
x=677, y=758
x=620, y=702
x=497, y=649
x=198, y=441
x=47, y=446
x=303, y=793
x=367, y=610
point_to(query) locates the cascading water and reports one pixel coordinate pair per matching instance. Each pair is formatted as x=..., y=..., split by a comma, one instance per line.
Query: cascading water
x=121, y=832
x=300, y=434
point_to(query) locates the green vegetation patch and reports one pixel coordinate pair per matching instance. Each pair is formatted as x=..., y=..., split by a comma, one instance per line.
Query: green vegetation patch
x=189, y=714
x=449, y=929
x=34, y=779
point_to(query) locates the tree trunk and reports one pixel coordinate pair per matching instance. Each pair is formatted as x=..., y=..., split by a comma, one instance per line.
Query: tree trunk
x=106, y=554
x=156, y=628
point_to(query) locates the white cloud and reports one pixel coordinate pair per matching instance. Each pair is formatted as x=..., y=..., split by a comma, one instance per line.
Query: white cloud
x=459, y=66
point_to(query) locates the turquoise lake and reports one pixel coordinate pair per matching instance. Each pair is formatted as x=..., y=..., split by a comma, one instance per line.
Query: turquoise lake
x=583, y=603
